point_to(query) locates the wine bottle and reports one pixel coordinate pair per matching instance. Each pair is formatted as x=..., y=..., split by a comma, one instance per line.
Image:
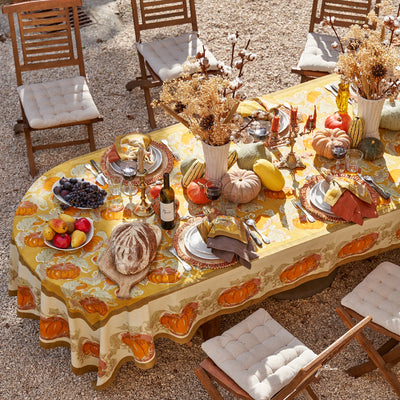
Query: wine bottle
x=167, y=204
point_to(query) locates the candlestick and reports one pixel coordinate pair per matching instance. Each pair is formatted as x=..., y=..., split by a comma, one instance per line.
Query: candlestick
x=311, y=122
x=141, y=159
x=143, y=209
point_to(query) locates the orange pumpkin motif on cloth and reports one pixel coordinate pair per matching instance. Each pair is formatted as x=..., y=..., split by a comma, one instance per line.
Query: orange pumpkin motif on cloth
x=25, y=298
x=238, y=294
x=49, y=182
x=283, y=194
x=300, y=268
x=94, y=305
x=113, y=213
x=358, y=246
x=53, y=328
x=164, y=275
x=26, y=208
x=303, y=223
x=63, y=271
x=93, y=244
x=102, y=368
x=142, y=346
x=35, y=239
x=180, y=323
x=91, y=349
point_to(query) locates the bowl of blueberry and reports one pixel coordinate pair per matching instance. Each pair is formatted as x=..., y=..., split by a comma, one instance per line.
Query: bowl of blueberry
x=78, y=193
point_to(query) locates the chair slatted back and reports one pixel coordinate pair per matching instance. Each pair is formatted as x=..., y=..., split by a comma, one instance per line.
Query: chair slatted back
x=46, y=36
x=151, y=14
x=346, y=12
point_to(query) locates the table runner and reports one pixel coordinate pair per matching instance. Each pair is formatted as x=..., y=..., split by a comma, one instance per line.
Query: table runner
x=77, y=306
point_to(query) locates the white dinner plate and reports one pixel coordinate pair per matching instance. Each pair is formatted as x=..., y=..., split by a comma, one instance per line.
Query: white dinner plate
x=283, y=123
x=317, y=195
x=89, y=236
x=156, y=155
x=61, y=200
x=195, y=244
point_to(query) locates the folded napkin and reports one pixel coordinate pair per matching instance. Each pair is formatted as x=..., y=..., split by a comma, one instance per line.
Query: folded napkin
x=228, y=237
x=113, y=154
x=248, y=107
x=338, y=185
x=127, y=146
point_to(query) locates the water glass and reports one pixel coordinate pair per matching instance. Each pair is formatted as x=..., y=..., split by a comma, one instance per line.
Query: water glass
x=114, y=183
x=353, y=160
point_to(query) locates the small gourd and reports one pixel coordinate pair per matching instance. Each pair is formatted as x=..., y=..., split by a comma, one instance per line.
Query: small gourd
x=232, y=158
x=271, y=177
x=372, y=148
x=325, y=139
x=240, y=185
x=356, y=131
x=186, y=163
x=249, y=153
x=195, y=171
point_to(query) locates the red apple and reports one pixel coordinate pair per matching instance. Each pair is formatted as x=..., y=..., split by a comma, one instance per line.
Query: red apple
x=62, y=240
x=82, y=224
x=336, y=120
x=155, y=191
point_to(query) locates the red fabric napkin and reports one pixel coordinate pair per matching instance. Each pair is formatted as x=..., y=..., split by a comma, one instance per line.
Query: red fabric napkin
x=113, y=155
x=351, y=208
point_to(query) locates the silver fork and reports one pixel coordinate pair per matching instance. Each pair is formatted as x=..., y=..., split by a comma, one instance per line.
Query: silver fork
x=174, y=153
x=298, y=205
x=184, y=263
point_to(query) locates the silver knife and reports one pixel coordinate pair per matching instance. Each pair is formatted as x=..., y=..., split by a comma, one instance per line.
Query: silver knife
x=99, y=171
x=184, y=263
x=368, y=179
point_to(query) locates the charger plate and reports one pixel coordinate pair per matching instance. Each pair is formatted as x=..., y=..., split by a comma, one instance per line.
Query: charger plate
x=185, y=254
x=317, y=212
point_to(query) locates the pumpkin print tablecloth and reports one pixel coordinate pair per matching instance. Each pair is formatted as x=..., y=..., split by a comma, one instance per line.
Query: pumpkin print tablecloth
x=77, y=306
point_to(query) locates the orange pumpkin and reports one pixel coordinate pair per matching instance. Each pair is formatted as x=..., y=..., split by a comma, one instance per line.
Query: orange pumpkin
x=94, y=305
x=53, y=328
x=302, y=223
x=26, y=208
x=25, y=298
x=196, y=191
x=142, y=346
x=164, y=275
x=63, y=271
x=300, y=268
x=239, y=294
x=359, y=245
x=91, y=349
x=180, y=323
x=35, y=239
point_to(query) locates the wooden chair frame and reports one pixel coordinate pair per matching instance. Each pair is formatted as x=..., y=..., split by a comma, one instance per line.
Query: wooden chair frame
x=46, y=41
x=207, y=371
x=383, y=358
x=346, y=13
x=152, y=14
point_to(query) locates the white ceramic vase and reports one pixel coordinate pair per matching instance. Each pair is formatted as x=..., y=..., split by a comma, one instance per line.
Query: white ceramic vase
x=216, y=159
x=370, y=111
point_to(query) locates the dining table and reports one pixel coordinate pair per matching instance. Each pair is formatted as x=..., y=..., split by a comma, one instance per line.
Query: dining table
x=79, y=307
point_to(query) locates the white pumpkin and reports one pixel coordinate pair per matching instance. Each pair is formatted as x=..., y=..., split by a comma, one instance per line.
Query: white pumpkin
x=240, y=185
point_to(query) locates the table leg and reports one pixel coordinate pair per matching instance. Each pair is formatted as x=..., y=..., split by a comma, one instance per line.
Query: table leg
x=211, y=328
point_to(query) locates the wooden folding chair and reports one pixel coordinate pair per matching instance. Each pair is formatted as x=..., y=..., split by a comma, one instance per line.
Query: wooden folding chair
x=319, y=58
x=258, y=359
x=378, y=295
x=160, y=60
x=45, y=41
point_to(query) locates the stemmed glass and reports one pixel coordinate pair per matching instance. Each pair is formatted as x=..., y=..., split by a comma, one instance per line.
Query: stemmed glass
x=129, y=170
x=213, y=189
x=339, y=153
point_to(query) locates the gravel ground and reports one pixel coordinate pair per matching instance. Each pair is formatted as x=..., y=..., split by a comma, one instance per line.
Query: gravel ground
x=277, y=30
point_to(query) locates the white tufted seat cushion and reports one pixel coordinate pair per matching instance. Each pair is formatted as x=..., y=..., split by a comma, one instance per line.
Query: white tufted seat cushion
x=259, y=355
x=318, y=54
x=57, y=102
x=378, y=295
x=166, y=56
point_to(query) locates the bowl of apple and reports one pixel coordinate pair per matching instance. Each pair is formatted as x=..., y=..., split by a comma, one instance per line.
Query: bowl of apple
x=67, y=233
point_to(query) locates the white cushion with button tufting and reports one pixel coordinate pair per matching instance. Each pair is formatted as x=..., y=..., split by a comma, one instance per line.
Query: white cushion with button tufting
x=58, y=102
x=259, y=355
x=378, y=295
x=318, y=54
x=167, y=56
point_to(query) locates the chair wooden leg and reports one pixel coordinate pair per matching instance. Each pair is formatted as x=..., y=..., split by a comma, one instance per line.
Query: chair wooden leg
x=29, y=148
x=207, y=383
x=92, y=143
x=310, y=394
x=373, y=354
x=150, y=110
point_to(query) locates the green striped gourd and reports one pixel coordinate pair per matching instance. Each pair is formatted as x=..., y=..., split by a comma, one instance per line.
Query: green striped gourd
x=232, y=158
x=356, y=131
x=196, y=170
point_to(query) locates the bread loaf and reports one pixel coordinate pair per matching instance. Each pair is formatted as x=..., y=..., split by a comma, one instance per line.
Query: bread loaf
x=134, y=246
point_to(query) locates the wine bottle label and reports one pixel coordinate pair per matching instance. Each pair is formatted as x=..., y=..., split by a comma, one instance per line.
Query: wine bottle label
x=167, y=211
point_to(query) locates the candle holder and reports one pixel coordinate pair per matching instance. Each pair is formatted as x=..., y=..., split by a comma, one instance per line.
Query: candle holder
x=143, y=209
x=292, y=161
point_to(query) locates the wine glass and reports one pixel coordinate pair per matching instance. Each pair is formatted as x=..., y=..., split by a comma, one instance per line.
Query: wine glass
x=339, y=153
x=129, y=170
x=213, y=189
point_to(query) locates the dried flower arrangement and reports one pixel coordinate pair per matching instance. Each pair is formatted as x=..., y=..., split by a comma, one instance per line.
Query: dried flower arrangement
x=369, y=60
x=206, y=102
